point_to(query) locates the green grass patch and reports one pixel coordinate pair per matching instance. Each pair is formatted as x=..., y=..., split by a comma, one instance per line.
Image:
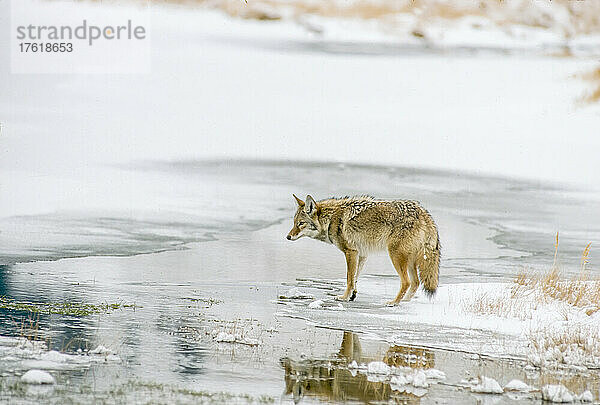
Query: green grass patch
x=63, y=308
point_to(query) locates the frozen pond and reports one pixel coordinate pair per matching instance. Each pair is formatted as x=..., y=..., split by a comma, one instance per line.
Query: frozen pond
x=215, y=265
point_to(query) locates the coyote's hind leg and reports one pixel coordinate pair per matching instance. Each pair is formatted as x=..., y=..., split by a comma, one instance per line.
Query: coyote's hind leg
x=400, y=262
x=414, y=280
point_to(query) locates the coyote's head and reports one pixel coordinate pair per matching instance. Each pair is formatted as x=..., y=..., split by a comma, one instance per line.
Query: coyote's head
x=306, y=220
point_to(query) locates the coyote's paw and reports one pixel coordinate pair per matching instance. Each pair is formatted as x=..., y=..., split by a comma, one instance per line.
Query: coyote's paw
x=391, y=303
x=342, y=298
x=353, y=295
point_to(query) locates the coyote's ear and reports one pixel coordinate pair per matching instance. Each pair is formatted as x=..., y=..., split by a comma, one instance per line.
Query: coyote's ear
x=299, y=201
x=311, y=205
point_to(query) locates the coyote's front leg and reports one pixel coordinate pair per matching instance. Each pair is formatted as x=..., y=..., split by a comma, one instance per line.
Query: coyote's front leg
x=351, y=266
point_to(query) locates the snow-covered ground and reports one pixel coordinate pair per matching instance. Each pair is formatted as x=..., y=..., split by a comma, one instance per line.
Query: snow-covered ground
x=495, y=321
x=222, y=87
x=509, y=26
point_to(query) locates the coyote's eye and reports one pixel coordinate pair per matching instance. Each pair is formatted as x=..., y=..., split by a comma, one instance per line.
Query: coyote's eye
x=301, y=223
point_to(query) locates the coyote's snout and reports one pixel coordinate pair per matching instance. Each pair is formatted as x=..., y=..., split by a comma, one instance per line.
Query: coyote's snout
x=361, y=225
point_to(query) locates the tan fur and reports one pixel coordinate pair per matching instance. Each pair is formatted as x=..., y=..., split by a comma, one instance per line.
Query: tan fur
x=361, y=225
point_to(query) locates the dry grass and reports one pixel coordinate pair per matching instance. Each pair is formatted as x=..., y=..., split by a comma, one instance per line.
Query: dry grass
x=594, y=78
x=574, y=338
x=531, y=290
x=582, y=290
x=562, y=340
x=29, y=328
x=576, y=345
x=582, y=17
x=485, y=304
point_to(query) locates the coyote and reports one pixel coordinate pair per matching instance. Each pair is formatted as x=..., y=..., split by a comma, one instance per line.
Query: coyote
x=361, y=225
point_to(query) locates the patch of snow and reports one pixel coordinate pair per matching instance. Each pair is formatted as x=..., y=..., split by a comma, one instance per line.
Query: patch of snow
x=402, y=379
x=224, y=337
x=517, y=385
x=37, y=377
x=320, y=304
x=378, y=367
x=377, y=371
x=353, y=368
x=103, y=354
x=316, y=304
x=404, y=383
x=557, y=393
x=101, y=350
x=55, y=357
x=434, y=374
x=398, y=381
x=487, y=385
x=418, y=379
x=586, y=396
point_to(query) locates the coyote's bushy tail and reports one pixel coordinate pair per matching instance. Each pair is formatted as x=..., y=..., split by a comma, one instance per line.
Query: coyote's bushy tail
x=429, y=265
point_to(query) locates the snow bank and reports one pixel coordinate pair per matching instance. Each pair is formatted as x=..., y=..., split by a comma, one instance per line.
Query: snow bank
x=37, y=377
x=546, y=331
